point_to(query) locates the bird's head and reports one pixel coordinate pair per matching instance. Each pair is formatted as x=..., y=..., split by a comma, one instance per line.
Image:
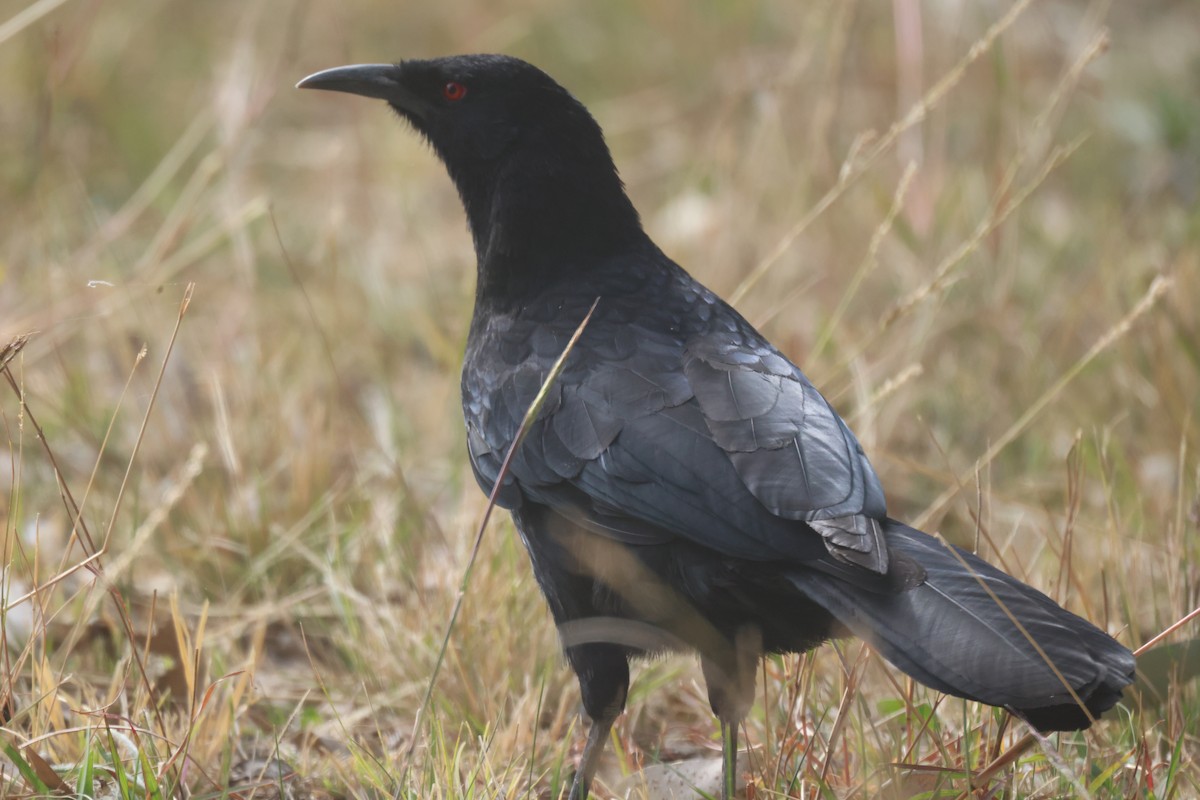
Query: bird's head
x=527, y=157
x=472, y=108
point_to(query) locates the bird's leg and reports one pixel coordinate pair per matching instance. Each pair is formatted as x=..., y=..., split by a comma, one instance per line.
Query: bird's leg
x=603, y=672
x=730, y=679
x=597, y=735
x=729, y=737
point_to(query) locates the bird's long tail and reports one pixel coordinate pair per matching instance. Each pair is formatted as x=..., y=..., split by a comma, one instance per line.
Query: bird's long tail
x=973, y=631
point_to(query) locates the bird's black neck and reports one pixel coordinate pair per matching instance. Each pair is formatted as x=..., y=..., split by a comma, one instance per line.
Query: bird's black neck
x=538, y=221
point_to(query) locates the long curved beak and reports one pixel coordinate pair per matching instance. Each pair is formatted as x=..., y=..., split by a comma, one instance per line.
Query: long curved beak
x=369, y=80
x=381, y=81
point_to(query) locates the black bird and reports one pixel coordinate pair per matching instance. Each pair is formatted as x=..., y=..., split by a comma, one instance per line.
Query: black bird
x=685, y=486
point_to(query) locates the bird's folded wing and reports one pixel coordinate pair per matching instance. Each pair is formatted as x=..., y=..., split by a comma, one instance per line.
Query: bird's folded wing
x=719, y=440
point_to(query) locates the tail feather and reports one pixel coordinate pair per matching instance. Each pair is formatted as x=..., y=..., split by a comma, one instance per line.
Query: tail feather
x=950, y=633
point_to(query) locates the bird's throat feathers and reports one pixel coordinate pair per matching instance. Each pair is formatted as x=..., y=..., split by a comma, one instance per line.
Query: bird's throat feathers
x=543, y=214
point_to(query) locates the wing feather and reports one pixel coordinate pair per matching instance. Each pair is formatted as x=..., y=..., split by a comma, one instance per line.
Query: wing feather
x=713, y=437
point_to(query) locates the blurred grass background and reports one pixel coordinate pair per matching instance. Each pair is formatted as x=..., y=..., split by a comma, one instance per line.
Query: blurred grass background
x=295, y=517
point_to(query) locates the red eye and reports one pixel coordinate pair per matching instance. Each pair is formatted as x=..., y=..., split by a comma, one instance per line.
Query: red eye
x=454, y=91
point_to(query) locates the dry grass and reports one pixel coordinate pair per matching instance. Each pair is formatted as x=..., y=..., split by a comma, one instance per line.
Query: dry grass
x=229, y=566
